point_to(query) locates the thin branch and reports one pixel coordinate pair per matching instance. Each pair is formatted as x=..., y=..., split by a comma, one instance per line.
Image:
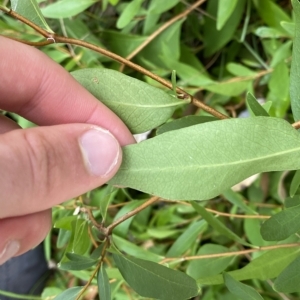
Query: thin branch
x=61, y=39
x=161, y=29
x=296, y=125
x=110, y=228
x=226, y=254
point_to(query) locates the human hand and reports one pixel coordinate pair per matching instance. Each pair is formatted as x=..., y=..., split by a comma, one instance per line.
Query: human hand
x=40, y=167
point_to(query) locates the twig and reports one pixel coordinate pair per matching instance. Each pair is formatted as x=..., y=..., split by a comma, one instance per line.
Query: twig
x=226, y=254
x=296, y=125
x=110, y=228
x=61, y=39
x=160, y=30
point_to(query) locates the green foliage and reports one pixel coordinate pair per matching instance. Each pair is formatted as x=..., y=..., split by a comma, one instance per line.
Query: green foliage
x=236, y=57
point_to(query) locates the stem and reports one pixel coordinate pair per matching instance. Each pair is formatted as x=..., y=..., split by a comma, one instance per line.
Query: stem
x=161, y=29
x=18, y=296
x=233, y=253
x=296, y=125
x=149, y=202
x=95, y=271
x=61, y=39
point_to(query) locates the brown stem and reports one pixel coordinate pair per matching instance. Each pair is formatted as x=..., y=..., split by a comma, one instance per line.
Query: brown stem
x=161, y=29
x=233, y=253
x=149, y=202
x=296, y=125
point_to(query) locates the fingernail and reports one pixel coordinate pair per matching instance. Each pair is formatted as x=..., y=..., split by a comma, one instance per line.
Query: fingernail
x=9, y=251
x=100, y=151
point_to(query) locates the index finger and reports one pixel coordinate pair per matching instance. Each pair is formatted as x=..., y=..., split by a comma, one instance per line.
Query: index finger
x=35, y=87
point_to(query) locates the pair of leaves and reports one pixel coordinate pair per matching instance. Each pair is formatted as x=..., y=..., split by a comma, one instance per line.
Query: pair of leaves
x=201, y=161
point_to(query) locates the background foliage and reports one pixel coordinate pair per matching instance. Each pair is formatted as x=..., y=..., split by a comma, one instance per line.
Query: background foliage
x=220, y=50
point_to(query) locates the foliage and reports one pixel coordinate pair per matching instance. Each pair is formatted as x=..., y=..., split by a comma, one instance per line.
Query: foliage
x=155, y=238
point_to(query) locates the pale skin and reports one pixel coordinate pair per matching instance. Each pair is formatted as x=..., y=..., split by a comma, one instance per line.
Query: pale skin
x=44, y=166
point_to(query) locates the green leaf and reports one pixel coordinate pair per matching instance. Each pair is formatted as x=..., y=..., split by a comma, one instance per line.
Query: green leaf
x=289, y=202
x=77, y=262
x=229, y=88
x=209, y=266
x=217, y=224
x=66, y=8
x=184, y=122
x=152, y=280
x=288, y=280
x=295, y=67
x=30, y=10
x=209, y=158
x=103, y=284
x=295, y=183
x=69, y=294
x=282, y=225
x=240, y=70
x=141, y=106
x=187, y=239
x=268, y=32
x=81, y=241
x=109, y=195
x=129, y=13
x=255, y=107
x=225, y=10
x=241, y=290
x=65, y=222
x=266, y=266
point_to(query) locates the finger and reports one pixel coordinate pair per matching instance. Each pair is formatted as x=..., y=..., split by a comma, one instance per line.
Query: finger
x=43, y=92
x=44, y=166
x=7, y=124
x=20, y=234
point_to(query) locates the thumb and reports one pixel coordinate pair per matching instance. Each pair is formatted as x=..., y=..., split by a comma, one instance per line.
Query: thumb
x=44, y=166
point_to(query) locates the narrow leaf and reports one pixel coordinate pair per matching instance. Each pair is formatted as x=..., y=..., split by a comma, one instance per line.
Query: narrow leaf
x=295, y=67
x=77, y=262
x=255, y=107
x=69, y=294
x=103, y=285
x=30, y=10
x=128, y=13
x=217, y=224
x=241, y=290
x=295, y=183
x=81, y=241
x=282, y=225
x=142, y=107
x=266, y=266
x=225, y=9
x=66, y=8
x=184, y=122
x=288, y=280
x=201, y=161
x=152, y=280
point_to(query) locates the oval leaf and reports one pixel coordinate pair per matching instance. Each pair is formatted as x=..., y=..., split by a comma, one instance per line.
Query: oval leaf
x=103, y=285
x=141, y=106
x=201, y=161
x=69, y=294
x=282, y=225
x=241, y=290
x=152, y=280
x=255, y=107
x=225, y=9
x=30, y=10
x=288, y=280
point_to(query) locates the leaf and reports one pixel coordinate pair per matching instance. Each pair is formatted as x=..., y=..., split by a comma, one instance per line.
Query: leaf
x=239, y=70
x=184, y=122
x=69, y=294
x=103, y=284
x=255, y=107
x=289, y=202
x=131, y=9
x=229, y=88
x=266, y=266
x=141, y=106
x=187, y=239
x=65, y=222
x=77, y=262
x=209, y=266
x=66, y=8
x=282, y=225
x=288, y=280
x=152, y=280
x=217, y=224
x=241, y=290
x=295, y=183
x=295, y=67
x=202, y=161
x=81, y=241
x=30, y=10
x=225, y=9
x=109, y=195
